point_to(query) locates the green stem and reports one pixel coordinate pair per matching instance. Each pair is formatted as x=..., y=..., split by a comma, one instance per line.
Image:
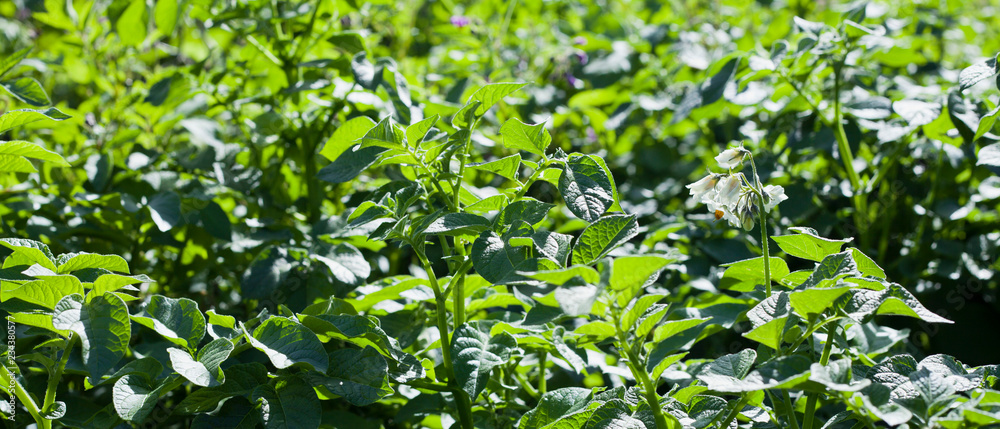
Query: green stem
x=542, y=361
x=460, y=286
x=29, y=403
x=735, y=412
x=542, y=165
x=55, y=378
x=813, y=397
x=790, y=409
x=860, y=203
x=763, y=230
x=462, y=400
x=648, y=387
x=525, y=384
x=456, y=189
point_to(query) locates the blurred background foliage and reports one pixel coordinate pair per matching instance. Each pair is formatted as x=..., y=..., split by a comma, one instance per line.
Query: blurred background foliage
x=197, y=126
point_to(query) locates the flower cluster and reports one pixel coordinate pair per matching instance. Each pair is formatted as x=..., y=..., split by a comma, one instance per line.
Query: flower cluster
x=731, y=196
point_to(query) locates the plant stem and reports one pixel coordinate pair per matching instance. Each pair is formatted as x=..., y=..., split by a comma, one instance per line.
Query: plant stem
x=813, y=397
x=735, y=412
x=542, y=165
x=763, y=229
x=457, y=188
x=462, y=401
x=791, y=409
x=28, y=403
x=860, y=203
x=649, y=388
x=542, y=360
x=55, y=378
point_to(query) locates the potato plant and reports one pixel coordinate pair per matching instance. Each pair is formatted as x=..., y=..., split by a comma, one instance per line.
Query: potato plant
x=341, y=214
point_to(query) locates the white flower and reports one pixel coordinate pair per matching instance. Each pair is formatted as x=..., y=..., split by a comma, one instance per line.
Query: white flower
x=730, y=158
x=704, y=189
x=728, y=189
x=723, y=212
x=772, y=196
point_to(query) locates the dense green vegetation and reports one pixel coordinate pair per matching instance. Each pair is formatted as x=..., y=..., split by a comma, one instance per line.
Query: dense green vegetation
x=302, y=214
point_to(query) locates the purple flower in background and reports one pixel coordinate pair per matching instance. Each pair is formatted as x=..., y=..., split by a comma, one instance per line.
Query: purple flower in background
x=591, y=134
x=570, y=79
x=581, y=57
x=579, y=40
x=460, y=21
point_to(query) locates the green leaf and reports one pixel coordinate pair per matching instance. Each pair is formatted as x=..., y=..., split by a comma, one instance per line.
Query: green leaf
x=496, y=261
x=745, y=275
x=831, y=268
x=27, y=90
x=837, y=376
x=268, y=270
x=552, y=246
x=236, y=413
x=563, y=275
x=527, y=137
x=287, y=343
x=12, y=60
x=241, y=379
x=976, y=73
x=603, y=236
x=55, y=411
x=134, y=397
x=649, y=319
x=346, y=136
x=503, y=167
x=290, y=403
x=863, y=304
x=866, y=265
x=817, y=300
x=349, y=41
x=16, y=164
x=586, y=187
x=558, y=405
x=475, y=354
x=986, y=122
x=358, y=376
x=385, y=135
x=28, y=252
x=613, y=414
x=488, y=204
x=47, y=291
x=491, y=94
x=205, y=370
x=673, y=327
x=131, y=25
x=453, y=224
x=165, y=16
x=347, y=264
x=528, y=210
x=178, y=320
x=659, y=362
x=989, y=155
x=807, y=244
x=69, y=262
x=31, y=150
x=642, y=304
x=349, y=164
x=113, y=282
x=103, y=326
x=631, y=272
x=21, y=117
x=415, y=132
x=146, y=367
x=221, y=326
x=768, y=318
